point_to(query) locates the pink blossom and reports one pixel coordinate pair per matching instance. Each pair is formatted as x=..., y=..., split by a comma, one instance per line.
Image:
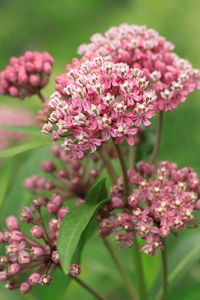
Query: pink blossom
x=173, y=78
x=157, y=205
x=99, y=100
x=26, y=75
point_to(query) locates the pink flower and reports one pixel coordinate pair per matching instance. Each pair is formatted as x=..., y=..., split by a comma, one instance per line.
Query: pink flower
x=99, y=100
x=157, y=206
x=26, y=75
x=173, y=77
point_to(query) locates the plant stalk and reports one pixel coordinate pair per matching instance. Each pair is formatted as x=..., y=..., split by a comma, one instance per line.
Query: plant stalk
x=89, y=289
x=164, y=272
x=124, y=169
x=139, y=271
x=41, y=97
x=121, y=270
x=158, y=137
x=108, y=165
x=132, y=152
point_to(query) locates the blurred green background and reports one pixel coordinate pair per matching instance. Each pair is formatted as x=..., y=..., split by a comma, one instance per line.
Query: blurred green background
x=59, y=27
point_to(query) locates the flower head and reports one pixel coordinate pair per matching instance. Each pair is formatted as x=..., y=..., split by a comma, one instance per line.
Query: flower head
x=173, y=78
x=32, y=251
x=158, y=205
x=26, y=75
x=100, y=100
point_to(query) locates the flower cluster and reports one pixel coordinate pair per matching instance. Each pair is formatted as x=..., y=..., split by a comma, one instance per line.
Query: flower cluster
x=68, y=178
x=33, y=254
x=100, y=100
x=26, y=75
x=156, y=206
x=36, y=253
x=172, y=77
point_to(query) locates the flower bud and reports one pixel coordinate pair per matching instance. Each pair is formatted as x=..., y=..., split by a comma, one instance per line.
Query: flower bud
x=34, y=279
x=24, y=287
x=55, y=257
x=37, y=232
x=48, y=166
x=75, y=270
x=12, y=223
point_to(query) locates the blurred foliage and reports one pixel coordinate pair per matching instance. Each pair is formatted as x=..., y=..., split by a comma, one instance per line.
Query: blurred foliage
x=59, y=27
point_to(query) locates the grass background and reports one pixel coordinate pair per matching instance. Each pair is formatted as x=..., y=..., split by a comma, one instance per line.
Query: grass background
x=59, y=27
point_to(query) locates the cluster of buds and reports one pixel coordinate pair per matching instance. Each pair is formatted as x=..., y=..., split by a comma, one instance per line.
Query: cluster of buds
x=65, y=177
x=158, y=205
x=173, y=77
x=26, y=75
x=33, y=255
x=100, y=100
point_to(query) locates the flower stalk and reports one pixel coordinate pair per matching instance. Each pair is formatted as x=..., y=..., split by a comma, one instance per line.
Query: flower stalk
x=121, y=270
x=139, y=271
x=123, y=168
x=107, y=163
x=89, y=289
x=158, y=137
x=164, y=272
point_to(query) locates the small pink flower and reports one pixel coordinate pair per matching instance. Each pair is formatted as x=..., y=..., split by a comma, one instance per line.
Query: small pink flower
x=157, y=205
x=26, y=75
x=97, y=100
x=75, y=270
x=173, y=78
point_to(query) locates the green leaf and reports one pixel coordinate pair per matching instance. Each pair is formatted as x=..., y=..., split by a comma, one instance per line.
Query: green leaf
x=18, y=195
x=31, y=130
x=188, y=250
x=97, y=192
x=22, y=148
x=75, y=227
x=6, y=175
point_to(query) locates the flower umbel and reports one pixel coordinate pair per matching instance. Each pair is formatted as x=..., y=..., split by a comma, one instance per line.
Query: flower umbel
x=26, y=75
x=100, y=100
x=157, y=205
x=173, y=78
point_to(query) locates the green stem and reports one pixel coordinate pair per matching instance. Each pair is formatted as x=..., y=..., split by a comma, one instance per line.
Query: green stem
x=89, y=289
x=139, y=271
x=132, y=150
x=123, y=167
x=108, y=165
x=121, y=270
x=164, y=272
x=158, y=137
x=41, y=97
x=137, y=255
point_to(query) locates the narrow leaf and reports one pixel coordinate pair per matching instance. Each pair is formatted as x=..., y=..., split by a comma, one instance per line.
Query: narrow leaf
x=31, y=130
x=22, y=148
x=72, y=228
x=73, y=233
x=6, y=174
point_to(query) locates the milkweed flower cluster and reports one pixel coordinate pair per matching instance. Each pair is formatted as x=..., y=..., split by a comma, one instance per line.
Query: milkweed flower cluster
x=173, y=78
x=157, y=205
x=100, y=100
x=68, y=178
x=34, y=254
x=26, y=75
